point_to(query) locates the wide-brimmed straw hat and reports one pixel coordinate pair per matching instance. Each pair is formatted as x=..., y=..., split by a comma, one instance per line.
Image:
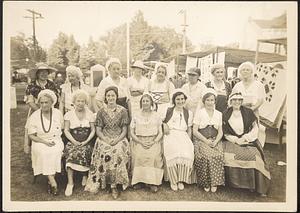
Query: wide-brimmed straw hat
x=139, y=64
x=40, y=66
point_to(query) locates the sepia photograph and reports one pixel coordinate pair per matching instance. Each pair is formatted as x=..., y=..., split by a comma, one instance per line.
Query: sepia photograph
x=153, y=105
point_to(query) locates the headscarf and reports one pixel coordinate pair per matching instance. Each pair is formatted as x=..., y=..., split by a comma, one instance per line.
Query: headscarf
x=110, y=61
x=48, y=93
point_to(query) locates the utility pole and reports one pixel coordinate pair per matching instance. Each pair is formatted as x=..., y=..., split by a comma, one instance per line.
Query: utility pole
x=35, y=15
x=184, y=31
x=128, y=47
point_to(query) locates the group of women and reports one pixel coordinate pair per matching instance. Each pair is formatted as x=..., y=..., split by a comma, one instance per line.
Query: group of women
x=144, y=131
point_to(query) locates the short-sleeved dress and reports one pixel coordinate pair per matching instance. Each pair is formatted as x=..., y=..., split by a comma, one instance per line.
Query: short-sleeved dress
x=134, y=84
x=222, y=94
x=179, y=149
x=109, y=164
x=209, y=162
x=79, y=158
x=147, y=163
x=46, y=160
x=31, y=94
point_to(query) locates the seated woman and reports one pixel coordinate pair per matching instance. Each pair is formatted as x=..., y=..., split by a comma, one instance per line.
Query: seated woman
x=111, y=151
x=146, y=133
x=207, y=134
x=79, y=131
x=44, y=129
x=178, y=147
x=244, y=158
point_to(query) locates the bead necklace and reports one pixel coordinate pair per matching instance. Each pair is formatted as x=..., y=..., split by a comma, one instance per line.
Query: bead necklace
x=46, y=131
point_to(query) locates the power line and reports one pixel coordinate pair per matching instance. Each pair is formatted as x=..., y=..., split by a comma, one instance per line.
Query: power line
x=35, y=15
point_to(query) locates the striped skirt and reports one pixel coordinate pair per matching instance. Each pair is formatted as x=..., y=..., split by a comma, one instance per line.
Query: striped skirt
x=179, y=157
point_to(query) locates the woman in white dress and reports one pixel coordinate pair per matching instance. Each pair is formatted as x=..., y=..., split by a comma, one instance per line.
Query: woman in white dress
x=137, y=86
x=73, y=82
x=252, y=90
x=45, y=129
x=79, y=130
x=161, y=88
x=194, y=89
x=178, y=147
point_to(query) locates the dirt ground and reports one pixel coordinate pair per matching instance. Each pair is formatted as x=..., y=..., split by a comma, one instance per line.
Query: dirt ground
x=22, y=188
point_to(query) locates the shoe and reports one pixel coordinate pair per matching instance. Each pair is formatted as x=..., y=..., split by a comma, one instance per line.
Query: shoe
x=54, y=190
x=69, y=190
x=180, y=186
x=138, y=186
x=174, y=187
x=84, y=179
x=49, y=188
x=206, y=189
x=213, y=188
x=153, y=188
x=263, y=195
x=115, y=193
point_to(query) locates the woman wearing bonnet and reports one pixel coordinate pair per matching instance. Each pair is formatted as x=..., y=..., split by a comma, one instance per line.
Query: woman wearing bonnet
x=45, y=129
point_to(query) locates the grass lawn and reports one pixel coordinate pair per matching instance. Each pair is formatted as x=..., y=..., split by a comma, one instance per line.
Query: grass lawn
x=22, y=188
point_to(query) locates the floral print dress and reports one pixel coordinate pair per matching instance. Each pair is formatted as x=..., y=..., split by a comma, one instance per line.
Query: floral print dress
x=109, y=163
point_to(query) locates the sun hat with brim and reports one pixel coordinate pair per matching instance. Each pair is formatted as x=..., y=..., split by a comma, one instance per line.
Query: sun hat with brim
x=40, y=66
x=139, y=64
x=50, y=93
x=236, y=95
x=194, y=71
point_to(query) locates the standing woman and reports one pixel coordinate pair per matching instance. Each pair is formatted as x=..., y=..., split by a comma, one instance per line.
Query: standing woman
x=137, y=85
x=40, y=81
x=44, y=129
x=178, y=147
x=79, y=131
x=194, y=89
x=252, y=90
x=207, y=132
x=160, y=88
x=114, y=68
x=222, y=87
x=147, y=156
x=245, y=165
x=111, y=152
x=73, y=83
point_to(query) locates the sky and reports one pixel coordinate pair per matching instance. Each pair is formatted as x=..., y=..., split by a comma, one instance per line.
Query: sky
x=219, y=23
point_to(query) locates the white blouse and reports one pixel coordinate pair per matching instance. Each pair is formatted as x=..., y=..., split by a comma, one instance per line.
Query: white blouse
x=177, y=121
x=252, y=94
x=146, y=126
x=108, y=81
x=195, y=94
x=202, y=119
x=76, y=122
x=35, y=125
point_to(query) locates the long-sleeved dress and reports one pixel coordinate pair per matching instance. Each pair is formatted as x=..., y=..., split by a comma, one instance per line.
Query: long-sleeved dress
x=245, y=166
x=109, y=164
x=209, y=162
x=147, y=163
x=46, y=160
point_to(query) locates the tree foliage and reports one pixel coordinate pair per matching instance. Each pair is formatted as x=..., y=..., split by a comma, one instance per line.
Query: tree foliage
x=64, y=51
x=22, y=52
